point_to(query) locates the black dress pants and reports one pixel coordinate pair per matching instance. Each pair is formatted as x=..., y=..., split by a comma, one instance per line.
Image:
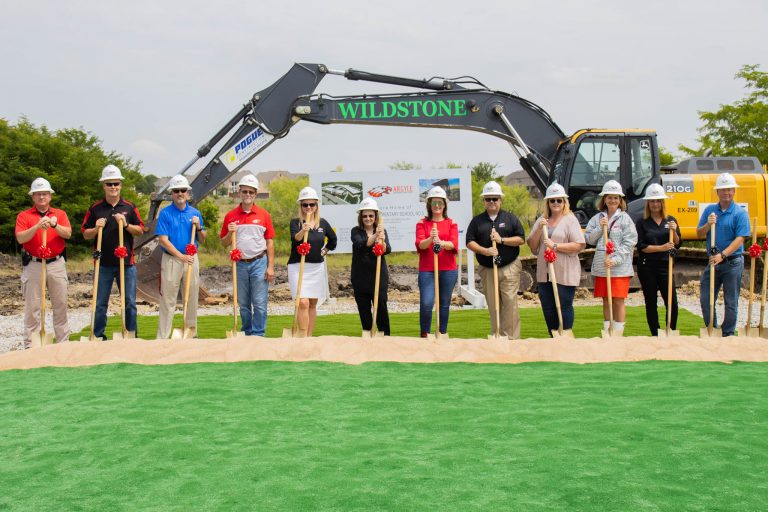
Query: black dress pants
x=654, y=276
x=365, y=307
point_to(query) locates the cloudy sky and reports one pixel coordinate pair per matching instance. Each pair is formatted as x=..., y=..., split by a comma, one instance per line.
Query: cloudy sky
x=156, y=79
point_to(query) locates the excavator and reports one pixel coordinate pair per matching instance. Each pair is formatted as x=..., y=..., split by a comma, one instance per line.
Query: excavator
x=581, y=162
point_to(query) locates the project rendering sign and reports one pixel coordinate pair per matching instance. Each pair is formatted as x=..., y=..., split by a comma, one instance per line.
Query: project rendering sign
x=401, y=196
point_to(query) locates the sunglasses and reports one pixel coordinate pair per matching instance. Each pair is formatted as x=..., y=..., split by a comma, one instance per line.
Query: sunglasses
x=178, y=190
x=490, y=199
x=369, y=216
x=308, y=205
x=438, y=203
x=556, y=201
x=112, y=184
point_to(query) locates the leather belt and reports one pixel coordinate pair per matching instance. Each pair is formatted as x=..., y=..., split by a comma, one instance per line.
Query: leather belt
x=49, y=260
x=257, y=257
x=733, y=257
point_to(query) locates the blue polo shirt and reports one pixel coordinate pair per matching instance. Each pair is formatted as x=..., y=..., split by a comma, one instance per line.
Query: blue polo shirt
x=731, y=223
x=177, y=225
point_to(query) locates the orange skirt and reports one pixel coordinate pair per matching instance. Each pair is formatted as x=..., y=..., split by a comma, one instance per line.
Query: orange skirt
x=619, y=287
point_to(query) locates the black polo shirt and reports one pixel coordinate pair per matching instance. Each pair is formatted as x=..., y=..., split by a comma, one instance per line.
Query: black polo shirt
x=650, y=233
x=506, y=224
x=110, y=237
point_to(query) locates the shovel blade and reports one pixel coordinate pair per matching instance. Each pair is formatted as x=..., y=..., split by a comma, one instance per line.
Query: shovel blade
x=764, y=332
x=749, y=331
x=190, y=332
x=567, y=334
x=47, y=339
x=177, y=334
x=606, y=334
x=663, y=334
x=300, y=333
x=287, y=332
x=366, y=335
x=35, y=341
x=716, y=333
x=439, y=336
x=378, y=334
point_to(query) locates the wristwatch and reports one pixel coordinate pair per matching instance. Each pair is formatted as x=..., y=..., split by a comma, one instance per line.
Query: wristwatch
x=554, y=247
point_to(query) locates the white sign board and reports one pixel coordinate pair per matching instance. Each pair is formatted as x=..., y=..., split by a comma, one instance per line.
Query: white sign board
x=401, y=198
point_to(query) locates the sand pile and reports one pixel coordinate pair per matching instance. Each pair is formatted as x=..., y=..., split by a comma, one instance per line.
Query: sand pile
x=351, y=350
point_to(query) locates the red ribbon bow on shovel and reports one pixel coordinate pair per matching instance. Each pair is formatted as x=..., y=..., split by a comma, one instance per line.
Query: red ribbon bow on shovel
x=550, y=255
x=45, y=252
x=609, y=248
x=121, y=251
x=378, y=249
x=191, y=249
x=765, y=244
x=235, y=255
x=303, y=248
x=755, y=250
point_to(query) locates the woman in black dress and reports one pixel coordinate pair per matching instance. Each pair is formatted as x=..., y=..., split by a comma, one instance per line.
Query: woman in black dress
x=365, y=236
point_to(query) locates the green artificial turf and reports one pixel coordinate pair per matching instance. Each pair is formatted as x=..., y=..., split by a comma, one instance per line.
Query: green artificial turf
x=385, y=436
x=468, y=323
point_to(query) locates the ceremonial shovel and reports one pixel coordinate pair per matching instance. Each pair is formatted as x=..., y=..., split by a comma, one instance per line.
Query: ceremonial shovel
x=294, y=331
x=437, y=335
x=764, y=330
x=97, y=264
x=748, y=330
x=234, y=332
x=710, y=331
x=560, y=332
x=373, y=333
x=667, y=332
x=186, y=332
x=609, y=332
x=38, y=339
x=124, y=334
x=496, y=334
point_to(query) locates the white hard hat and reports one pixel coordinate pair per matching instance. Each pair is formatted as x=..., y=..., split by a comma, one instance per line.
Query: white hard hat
x=111, y=172
x=307, y=193
x=249, y=180
x=555, y=190
x=40, y=185
x=178, y=182
x=612, y=188
x=725, y=180
x=492, y=188
x=368, y=203
x=437, y=192
x=655, y=191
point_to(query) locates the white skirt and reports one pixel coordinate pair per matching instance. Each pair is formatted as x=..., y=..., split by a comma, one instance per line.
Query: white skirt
x=314, y=282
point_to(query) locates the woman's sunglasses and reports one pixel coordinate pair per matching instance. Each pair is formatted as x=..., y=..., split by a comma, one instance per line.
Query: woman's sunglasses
x=556, y=201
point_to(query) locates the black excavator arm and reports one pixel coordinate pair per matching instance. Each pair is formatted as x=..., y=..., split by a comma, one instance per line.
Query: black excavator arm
x=460, y=103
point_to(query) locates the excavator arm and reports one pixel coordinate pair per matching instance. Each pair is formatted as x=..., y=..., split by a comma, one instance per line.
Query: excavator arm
x=460, y=103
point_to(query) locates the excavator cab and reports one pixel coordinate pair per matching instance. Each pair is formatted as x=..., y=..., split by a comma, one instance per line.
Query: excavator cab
x=589, y=158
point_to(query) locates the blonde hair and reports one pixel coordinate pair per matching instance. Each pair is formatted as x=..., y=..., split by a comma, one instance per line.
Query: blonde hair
x=314, y=216
x=647, y=210
x=601, y=203
x=566, y=207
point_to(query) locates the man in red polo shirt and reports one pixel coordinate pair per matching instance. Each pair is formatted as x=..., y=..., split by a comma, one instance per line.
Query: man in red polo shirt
x=30, y=225
x=256, y=268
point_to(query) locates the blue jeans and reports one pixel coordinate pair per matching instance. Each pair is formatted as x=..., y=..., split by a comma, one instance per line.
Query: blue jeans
x=548, y=306
x=728, y=275
x=447, y=280
x=252, y=290
x=108, y=275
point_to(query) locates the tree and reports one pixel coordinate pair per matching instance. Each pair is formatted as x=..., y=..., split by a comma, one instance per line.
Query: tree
x=71, y=159
x=484, y=171
x=741, y=128
x=666, y=157
x=516, y=199
x=146, y=185
x=402, y=165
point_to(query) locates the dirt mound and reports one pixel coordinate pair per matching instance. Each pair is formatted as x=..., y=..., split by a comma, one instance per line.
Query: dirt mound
x=396, y=349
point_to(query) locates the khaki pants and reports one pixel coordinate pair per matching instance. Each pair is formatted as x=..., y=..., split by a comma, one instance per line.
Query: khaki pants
x=173, y=275
x=509, y=283
x=31, y=288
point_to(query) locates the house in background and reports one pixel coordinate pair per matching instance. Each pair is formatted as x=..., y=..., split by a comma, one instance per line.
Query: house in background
x=521, y=178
